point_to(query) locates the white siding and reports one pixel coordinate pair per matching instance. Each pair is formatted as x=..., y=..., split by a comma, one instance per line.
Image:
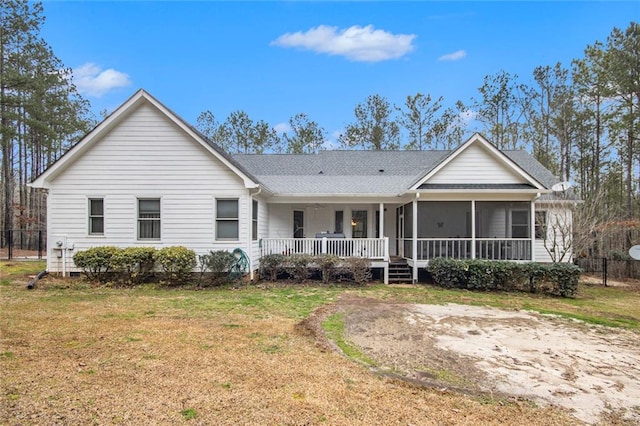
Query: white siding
x=476, y=165
x=280, y=221
x=559, y=221
x=146, y=156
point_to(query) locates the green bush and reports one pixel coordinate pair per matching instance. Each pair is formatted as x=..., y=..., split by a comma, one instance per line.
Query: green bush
x=177, y=262
x=448, y=273
x=271, y=265
x=559, y=279
x=564, y=278
x=327, y=264
x=297, y=266
x=95, y=262
x=359, y=269
x=215, y=265
x=133, y=264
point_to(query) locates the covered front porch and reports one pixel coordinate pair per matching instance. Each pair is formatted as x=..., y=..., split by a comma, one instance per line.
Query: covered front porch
x=417, y=230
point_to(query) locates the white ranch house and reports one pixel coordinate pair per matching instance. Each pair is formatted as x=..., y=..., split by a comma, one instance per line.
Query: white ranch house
x=144, y=177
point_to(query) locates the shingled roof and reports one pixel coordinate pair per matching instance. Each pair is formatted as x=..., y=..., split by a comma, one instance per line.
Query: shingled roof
x=360, y=172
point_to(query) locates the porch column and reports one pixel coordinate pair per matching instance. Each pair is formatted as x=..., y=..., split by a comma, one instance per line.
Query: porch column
x=414, y=239
x=473, y=229
x=533, y=230
x=381, y=224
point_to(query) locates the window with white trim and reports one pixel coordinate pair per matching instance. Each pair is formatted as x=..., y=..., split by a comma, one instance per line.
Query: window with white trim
x=96, y=216
x=254, y=220
x=148, y=218
x=227, y=220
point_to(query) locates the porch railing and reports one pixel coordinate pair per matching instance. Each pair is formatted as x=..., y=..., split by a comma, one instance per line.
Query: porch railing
x=452, y=248
x=499, y=249
x=371, y=248
x=460, y=248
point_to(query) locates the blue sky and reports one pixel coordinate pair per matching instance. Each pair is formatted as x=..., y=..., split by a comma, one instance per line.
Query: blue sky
x=276, y=59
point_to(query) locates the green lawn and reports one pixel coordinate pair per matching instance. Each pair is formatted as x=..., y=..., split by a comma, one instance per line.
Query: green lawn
x=611, y=306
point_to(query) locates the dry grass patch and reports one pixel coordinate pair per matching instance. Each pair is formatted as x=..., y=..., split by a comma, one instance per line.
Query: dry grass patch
x=82, y=355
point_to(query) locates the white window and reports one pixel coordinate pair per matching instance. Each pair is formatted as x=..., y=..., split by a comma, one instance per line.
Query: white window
x=149, y=219
x=339, y=221
x=254, y=220
x=96, y=216
x=227, y=220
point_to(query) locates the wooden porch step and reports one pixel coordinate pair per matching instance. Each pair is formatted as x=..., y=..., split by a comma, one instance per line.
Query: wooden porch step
x=399, y=271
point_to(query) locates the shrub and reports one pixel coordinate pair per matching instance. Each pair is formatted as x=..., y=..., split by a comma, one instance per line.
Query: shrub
x=271, y=265
x=564, y=277
x=297, y=266
x=134, y=264
x=559, y=279
x=95, y=262
x=217, y=264
x=448, y=273
x=327, y=264
x=177, y=262
x=359, y=269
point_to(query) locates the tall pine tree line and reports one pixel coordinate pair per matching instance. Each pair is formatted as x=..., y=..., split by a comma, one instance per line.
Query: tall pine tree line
x=41, y=113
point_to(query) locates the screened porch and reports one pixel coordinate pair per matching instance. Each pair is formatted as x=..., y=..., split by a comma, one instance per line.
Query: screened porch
x=499, y=231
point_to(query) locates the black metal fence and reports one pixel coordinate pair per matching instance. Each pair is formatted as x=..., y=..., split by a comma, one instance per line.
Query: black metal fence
x=20, y=243
x=610, y=268
x=594, y=265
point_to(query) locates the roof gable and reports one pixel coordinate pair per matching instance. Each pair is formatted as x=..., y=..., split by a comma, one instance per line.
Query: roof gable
x=141, y=97
x=477, y=162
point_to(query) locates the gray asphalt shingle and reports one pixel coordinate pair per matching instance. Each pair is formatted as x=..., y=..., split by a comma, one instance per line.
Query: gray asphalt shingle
x=359, y=172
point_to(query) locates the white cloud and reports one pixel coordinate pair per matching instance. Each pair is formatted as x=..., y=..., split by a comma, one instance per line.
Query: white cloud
x=455, y=56
x=331, y=142
x=92, y=80
x=468, y=116
x=365, y=44
x=282, y=127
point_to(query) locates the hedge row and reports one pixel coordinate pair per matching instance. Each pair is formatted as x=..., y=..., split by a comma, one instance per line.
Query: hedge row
x=559, y=279
x=135, y=265
x=301, y=267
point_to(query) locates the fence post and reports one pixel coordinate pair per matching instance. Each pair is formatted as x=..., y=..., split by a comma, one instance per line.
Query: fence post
x=9, y=244
x=604, y=271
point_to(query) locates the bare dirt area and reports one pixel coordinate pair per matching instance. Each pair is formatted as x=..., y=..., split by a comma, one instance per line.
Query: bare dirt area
x=591, y=371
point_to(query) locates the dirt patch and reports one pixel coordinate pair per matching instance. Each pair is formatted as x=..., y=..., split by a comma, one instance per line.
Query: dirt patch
x=592, y=371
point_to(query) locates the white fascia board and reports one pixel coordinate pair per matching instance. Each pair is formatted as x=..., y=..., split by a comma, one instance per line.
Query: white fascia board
x=478, y=191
